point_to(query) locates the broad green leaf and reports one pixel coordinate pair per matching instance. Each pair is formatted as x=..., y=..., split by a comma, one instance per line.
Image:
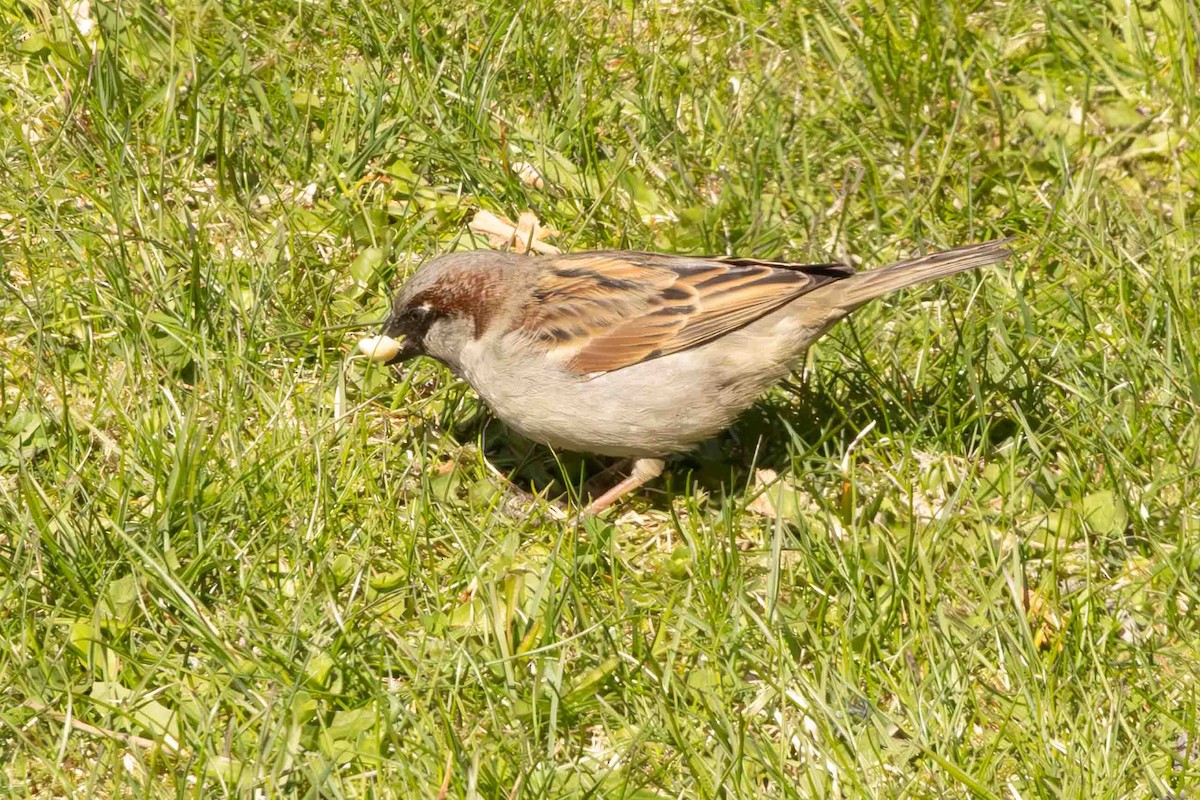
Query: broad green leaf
x=1104, y=512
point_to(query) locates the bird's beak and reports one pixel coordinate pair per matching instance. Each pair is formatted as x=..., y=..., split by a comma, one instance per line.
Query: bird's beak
x=380, y=349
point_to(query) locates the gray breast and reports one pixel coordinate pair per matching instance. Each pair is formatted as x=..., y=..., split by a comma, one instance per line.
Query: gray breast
x=653, y=408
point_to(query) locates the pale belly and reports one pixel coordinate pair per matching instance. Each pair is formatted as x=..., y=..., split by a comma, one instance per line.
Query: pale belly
x=654, y=408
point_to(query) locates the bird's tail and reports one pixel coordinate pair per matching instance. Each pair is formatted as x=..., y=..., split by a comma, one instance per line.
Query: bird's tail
x=864, y=287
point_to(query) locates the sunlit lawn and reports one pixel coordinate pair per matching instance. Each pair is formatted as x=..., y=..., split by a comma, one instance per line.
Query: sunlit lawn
x=958, y=555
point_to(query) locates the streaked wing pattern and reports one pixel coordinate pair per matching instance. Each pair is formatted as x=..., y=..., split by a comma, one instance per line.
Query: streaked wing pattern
x=609, y=310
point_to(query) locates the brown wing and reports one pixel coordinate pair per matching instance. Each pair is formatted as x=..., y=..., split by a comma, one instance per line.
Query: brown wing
x=607, y=310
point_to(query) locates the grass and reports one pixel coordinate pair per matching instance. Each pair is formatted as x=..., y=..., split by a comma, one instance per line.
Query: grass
x=957, y=556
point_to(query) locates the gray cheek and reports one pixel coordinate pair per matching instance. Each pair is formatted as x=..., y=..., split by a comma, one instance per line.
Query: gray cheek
x=447, y=338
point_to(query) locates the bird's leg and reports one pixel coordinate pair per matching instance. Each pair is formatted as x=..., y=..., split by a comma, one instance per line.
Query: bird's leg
x=644, y=470
x=605, y=478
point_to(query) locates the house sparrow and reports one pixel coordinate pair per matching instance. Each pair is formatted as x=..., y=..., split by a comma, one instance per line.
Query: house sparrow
x=631, y=354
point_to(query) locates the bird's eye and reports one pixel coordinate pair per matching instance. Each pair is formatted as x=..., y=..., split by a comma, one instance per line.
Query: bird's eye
x=422, y=316
x=423, y=311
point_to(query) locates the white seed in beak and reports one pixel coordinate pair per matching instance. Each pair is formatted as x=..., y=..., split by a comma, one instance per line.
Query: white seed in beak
x=378, y=348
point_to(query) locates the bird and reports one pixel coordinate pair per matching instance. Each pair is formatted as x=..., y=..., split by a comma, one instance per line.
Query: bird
x=632, y=354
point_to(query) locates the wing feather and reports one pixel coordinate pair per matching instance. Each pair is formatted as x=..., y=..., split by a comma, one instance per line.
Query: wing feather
x=607, y=310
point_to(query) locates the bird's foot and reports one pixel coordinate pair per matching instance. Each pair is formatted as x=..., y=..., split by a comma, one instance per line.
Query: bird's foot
x=644, y=471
